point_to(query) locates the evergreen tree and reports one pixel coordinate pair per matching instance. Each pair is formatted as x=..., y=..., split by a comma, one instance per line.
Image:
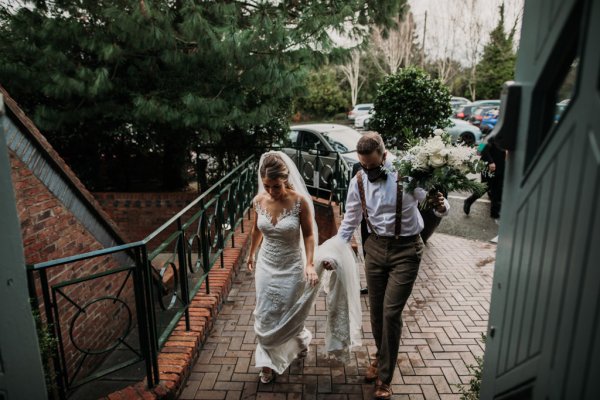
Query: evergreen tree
x=497, y=64
x=131, y=80
x=323, y=97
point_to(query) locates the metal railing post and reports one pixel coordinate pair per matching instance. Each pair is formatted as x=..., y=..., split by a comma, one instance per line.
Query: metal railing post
x=50, y=322
x=144, y=328
x=149, y=296
x=220, y=218
x=181, y=254
x=205, y=250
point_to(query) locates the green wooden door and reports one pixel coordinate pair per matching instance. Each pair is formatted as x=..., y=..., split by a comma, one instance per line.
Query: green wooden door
x=544, y=330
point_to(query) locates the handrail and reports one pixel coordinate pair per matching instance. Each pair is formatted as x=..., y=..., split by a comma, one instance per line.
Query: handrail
x=329, y=168
x=83, y=256
x=161, y=283
x=198, y=243
x=194, y=202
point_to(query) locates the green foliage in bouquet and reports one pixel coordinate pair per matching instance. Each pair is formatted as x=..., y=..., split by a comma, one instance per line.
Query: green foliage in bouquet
x=435, y=164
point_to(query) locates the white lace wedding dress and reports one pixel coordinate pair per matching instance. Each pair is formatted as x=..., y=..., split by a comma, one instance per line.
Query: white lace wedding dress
x=283, y=297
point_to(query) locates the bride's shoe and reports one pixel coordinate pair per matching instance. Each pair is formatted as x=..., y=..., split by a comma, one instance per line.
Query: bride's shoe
x=267, y=376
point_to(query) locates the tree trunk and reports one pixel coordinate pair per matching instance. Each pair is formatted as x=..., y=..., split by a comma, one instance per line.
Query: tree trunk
x=174, y=162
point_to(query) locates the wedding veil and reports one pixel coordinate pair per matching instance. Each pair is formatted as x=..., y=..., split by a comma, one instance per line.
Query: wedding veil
x=297, y=182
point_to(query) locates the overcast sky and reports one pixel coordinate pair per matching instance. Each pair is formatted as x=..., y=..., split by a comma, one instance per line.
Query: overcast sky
x=448, y=22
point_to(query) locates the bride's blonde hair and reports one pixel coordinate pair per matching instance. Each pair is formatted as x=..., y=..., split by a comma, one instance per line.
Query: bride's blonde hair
x=273, y=167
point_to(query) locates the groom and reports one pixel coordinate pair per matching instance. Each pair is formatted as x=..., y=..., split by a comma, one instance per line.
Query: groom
x=393, y=249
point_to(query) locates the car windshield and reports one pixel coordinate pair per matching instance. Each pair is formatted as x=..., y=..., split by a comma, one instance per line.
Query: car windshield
x=343, y=140
x=482, y=110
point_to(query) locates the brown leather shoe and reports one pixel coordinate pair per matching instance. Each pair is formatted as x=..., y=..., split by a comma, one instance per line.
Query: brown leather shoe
x=383, y=391
x=372, y=372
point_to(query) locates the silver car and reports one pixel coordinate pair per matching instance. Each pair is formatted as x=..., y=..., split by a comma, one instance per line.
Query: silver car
x=315, y=147
x=463, y=131
x=360, y=109
x=363, y=121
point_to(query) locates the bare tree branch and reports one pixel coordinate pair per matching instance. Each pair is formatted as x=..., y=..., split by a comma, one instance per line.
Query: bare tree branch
x=351, y=71
x=394, y=51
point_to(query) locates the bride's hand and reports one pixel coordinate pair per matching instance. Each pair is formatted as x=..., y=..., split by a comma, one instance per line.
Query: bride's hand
x=250, y=264
x=311, y=275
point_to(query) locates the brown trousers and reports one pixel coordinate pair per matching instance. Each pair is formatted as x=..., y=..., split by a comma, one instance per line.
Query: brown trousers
x=391, y=267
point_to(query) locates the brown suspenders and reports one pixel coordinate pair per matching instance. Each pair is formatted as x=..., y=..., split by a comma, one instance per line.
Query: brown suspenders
x=363, y=202
x=399, y=196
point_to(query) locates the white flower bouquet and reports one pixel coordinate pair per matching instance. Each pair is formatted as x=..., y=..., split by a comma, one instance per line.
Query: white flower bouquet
x=435, y=164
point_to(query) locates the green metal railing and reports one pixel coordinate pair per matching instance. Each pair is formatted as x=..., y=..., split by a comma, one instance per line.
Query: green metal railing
x=156, y=285
x=326, y=174
x=157, y=277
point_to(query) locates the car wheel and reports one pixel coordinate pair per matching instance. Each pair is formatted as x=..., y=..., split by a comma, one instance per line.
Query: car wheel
x=467, y=138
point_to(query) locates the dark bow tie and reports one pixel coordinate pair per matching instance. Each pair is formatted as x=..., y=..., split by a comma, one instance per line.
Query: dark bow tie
x=379, y=175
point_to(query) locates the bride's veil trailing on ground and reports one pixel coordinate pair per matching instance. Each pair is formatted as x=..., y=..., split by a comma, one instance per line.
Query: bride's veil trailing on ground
x=342, y=285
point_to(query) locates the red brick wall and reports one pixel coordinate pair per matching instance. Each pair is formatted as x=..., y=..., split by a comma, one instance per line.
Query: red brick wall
x=139, y=214
x=50, y=232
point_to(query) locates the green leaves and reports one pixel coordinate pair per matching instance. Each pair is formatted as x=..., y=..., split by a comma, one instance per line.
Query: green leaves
x=410, y=104
x=497, y=64
x=115, y=78
x=324, y=97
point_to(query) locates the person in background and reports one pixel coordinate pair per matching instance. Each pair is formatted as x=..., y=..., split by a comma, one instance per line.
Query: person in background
x=495, y=158
x=493, y=176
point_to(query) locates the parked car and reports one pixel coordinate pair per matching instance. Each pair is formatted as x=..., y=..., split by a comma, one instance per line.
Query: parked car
x=489, y=120
x=363, y=121
x=307, y=142
x=360, y=109
x=478, y=114
x=462, y=131
x=464, y=112
x=457, y=102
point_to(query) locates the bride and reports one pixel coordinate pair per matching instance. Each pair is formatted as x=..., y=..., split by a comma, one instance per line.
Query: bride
x=289, y=271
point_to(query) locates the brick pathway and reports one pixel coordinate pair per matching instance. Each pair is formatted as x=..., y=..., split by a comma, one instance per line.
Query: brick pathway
x=444, y=320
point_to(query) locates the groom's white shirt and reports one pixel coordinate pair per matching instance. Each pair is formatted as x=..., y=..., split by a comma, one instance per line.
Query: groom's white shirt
x=380, y=197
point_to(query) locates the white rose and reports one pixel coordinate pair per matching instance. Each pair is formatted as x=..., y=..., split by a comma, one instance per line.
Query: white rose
x=437, y=160
x=438, y=132
x=435, y=145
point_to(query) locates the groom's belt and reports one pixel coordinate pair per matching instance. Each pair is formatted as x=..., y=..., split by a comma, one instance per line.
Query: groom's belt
x=400, y=239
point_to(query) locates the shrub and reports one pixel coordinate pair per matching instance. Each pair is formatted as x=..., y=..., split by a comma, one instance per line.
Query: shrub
x=410, y=104
x=472, y=392
x=323, y=97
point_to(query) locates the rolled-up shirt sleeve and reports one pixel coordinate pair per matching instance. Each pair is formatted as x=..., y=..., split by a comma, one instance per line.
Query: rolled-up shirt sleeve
x=421, y=194
x=353, y=214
